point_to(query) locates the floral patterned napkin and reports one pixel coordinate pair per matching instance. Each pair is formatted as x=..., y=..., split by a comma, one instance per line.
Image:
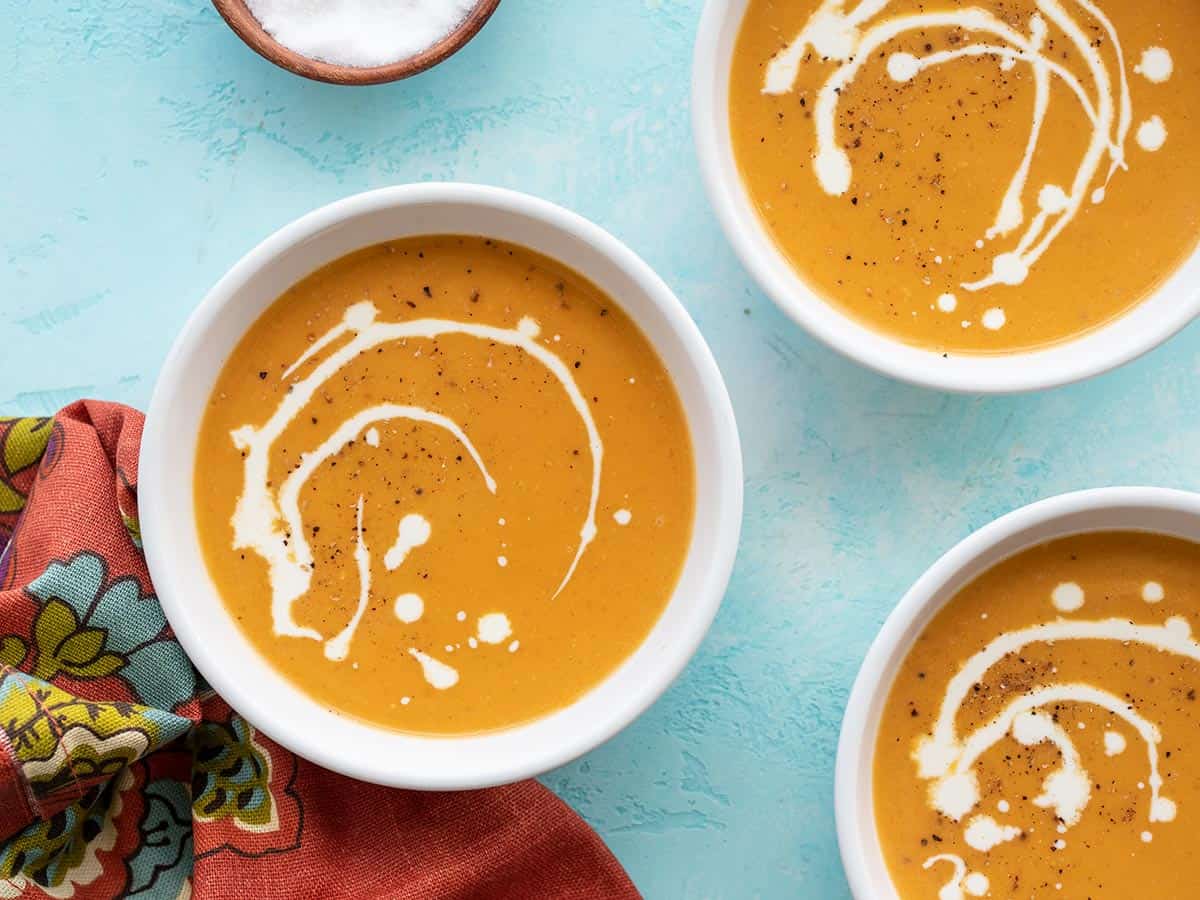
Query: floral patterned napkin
x=123, y=775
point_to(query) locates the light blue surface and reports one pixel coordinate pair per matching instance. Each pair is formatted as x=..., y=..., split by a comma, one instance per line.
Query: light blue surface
x=145, y=149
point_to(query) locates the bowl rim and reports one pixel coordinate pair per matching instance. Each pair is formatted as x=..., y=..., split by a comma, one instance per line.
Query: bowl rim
x=245, y=25
x=1165, y=311
x=222, y=671
x=857, y=834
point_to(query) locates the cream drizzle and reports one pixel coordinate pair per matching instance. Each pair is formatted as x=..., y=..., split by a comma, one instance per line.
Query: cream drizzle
x=976, y=884
x=493, y=628
x=961, y=882
x=255, y=518
x=1152, y=134
x=842, y=36
x=993, y=319
x=948, y=761
x=983, y=833
x=439, y=675
x=260, y=512
x=412, y=532
x=1066, y=790
x=409, y=608
x=338, y=646
x=1114, y=743
x=1067, y=597
x=1156, y=65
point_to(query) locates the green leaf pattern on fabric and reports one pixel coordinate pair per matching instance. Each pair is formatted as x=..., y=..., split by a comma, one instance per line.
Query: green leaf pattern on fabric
x=62, y=740
x=61, y=851
x=12, y=651
x=11, y=500
x=89, y=627
x=66, y=646
x=25, y=443
x=133, y=528
x=231, y=775
x=21, y=446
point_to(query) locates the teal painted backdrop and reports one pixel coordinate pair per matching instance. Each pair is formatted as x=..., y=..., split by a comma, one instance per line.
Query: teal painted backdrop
x=144, y=149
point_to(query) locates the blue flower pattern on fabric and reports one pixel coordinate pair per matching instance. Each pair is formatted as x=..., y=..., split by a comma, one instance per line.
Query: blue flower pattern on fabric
x=163, y=862
x=125, y=623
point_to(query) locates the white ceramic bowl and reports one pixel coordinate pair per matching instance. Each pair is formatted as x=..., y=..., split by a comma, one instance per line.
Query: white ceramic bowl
x=1106, y=509
x=224, y=655
x=1141, y=329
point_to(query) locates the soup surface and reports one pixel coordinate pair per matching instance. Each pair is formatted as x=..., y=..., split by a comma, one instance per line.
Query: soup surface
x=973, y=175
x=1038, y=739
x=445, y=485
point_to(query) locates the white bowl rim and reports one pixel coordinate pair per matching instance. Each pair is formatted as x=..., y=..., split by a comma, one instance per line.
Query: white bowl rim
x=700, y=609
x=1144, y=326
x=856, y=744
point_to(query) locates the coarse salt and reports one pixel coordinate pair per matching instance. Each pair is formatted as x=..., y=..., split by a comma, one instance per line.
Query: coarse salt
x=359, y=33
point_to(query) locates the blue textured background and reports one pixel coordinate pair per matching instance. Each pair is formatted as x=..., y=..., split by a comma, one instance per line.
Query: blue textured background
x=144, y=149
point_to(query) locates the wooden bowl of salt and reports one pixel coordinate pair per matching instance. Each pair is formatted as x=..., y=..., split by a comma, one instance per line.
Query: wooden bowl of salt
x=355, y=41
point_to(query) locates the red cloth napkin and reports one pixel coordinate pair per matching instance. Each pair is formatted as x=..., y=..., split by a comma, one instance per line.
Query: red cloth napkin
x=123, y=775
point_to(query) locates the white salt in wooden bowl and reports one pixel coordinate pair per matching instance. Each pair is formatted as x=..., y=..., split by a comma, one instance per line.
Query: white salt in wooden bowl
x=251, y=31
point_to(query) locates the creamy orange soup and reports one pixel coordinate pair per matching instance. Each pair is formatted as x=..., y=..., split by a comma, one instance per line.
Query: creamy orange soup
x=973, y=175
x=1040, y=738
x=444, y=485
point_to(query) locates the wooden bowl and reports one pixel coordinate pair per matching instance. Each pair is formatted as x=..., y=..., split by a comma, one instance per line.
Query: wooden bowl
x=242, y=21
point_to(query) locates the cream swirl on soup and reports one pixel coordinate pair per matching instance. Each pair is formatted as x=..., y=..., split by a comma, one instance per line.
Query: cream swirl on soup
x=853, y=36
x=972, y=175
x=270, y=522
x=1055, y=724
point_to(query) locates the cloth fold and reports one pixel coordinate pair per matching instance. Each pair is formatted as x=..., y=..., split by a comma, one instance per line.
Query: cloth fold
x=123, y=775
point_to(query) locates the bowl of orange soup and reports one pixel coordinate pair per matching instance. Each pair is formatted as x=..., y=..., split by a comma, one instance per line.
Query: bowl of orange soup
x=440, y=486
x=991, y=196
x=1024, y=724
